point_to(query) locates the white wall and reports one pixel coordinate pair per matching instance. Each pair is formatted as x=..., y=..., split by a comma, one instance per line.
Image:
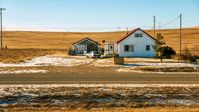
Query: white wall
x=139, y=46
x=108, y=50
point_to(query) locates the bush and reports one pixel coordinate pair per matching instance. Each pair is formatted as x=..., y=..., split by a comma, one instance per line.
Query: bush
x=185, y=56
x=71, y=51
x=167, y=52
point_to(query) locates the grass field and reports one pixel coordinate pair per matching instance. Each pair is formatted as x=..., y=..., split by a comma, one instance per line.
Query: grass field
x=62, y=40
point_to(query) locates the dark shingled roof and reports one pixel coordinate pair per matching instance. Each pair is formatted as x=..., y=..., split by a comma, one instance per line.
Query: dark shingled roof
x=86, y=39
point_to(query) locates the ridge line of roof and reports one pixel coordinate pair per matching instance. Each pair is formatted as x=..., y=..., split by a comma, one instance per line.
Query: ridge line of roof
x=133, y=31
x=86, y=38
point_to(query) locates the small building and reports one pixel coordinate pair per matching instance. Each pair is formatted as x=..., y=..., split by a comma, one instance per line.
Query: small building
x=136, y=43
x=85, y=45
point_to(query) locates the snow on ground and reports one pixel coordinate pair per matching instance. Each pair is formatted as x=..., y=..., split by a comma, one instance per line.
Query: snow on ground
x=136, y=62
x=90, y=96
x=131, y=67
x=22, y=71
x=149, y=60
x=103, y=63
x=161, y=64
x=50, y=61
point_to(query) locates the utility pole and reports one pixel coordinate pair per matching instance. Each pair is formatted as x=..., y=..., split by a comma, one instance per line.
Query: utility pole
x=180, y=33
x=1, y=13
x=154, y=20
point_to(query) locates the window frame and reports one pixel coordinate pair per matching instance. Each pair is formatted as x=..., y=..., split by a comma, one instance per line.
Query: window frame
x=127, y=48
x=138, y=35
x=148, y=46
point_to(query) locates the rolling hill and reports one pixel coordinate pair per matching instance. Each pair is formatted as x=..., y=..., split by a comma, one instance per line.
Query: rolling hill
x=62, y=40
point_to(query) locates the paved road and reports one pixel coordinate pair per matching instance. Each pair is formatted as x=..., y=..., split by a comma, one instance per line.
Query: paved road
x=100, y=78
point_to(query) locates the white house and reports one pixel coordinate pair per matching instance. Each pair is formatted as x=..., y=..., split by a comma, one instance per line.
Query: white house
x=137, y=43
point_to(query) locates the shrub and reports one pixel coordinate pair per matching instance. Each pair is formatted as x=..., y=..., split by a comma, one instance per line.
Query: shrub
x=185, y=56
x=71, y=51
x=167, y=52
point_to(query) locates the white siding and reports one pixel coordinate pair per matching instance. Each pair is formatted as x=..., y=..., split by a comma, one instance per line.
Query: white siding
x=139, y=43
x=109, y=49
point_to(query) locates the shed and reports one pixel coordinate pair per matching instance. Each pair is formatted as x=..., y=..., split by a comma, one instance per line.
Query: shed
x=86, y=45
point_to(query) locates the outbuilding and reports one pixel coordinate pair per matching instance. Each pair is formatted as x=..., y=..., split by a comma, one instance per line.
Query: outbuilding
x=85, y=45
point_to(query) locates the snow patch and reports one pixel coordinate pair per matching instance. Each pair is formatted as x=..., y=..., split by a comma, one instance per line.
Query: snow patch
x=22, y=71
x=161, y=65
x=131, y=67
x=50, y=61
x=103, y=63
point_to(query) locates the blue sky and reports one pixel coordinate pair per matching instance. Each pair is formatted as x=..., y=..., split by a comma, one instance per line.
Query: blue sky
x=85, y=15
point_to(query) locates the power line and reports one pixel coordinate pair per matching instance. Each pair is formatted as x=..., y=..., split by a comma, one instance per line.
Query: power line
x=171, y=21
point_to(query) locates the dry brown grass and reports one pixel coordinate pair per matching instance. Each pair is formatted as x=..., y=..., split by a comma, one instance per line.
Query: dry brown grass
x=152, y=109
x=62, y=40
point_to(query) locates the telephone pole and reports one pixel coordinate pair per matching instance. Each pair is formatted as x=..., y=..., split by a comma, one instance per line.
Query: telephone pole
x=180, y=33
x=154, y=20
x=1, y=14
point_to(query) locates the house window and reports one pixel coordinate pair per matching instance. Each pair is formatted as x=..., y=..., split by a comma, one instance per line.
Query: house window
x=129, y=48
x=148, y=47
x=138, y=35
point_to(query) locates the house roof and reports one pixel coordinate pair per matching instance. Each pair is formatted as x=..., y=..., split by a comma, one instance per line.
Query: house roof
x=133, y=31
x=86, y=39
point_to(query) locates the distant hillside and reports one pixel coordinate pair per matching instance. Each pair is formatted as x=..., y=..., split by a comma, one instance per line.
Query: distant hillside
x=62, y=40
